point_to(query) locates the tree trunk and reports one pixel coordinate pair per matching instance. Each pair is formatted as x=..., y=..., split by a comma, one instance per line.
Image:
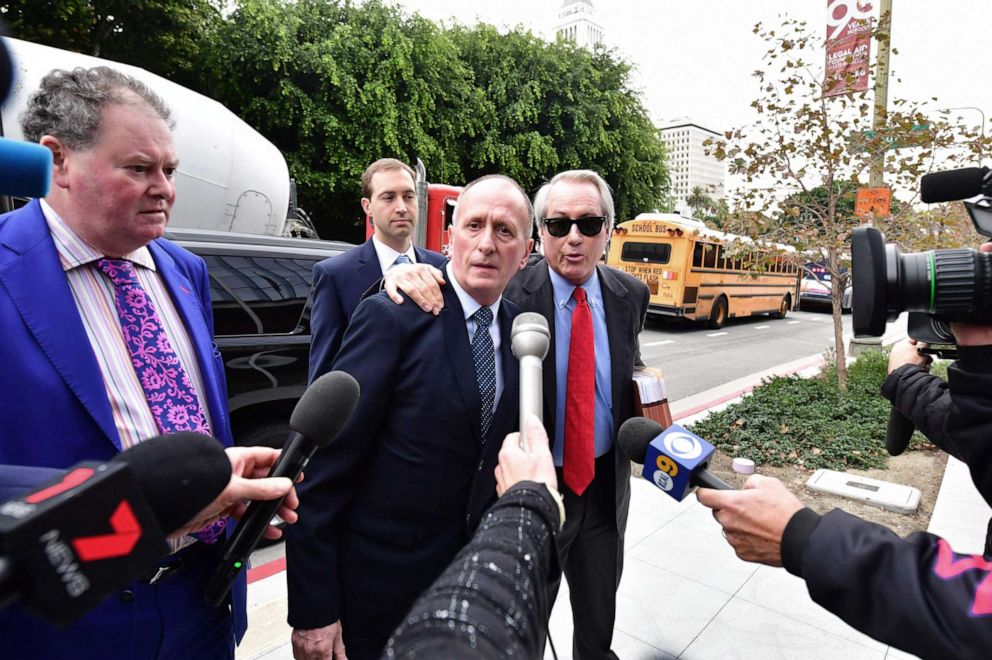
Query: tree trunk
x=836, y=291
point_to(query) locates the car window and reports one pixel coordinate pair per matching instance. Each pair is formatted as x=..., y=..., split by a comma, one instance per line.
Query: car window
x=258, y=295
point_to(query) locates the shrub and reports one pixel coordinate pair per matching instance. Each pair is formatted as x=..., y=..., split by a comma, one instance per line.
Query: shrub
x=808, y=421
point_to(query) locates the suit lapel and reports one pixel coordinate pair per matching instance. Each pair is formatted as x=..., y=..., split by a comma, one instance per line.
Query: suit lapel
x=38, y=287
x=368, y=264
x=618, y=315
x=460, y=353
x=190, y=308
x=539, y=296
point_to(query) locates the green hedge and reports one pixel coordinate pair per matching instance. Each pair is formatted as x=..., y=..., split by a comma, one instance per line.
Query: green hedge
x=808, y=421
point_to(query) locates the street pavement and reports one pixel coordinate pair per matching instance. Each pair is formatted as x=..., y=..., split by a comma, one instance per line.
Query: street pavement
x=684, y=593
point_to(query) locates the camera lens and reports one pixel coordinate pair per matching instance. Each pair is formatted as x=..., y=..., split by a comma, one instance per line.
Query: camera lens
x=950, y=285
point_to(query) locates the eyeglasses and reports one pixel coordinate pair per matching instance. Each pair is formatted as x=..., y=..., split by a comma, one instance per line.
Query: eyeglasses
x=590, y=225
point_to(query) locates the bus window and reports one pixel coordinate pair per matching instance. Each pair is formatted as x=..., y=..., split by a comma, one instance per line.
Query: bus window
x=697, y=255
x=649, y=253
x=709, y=256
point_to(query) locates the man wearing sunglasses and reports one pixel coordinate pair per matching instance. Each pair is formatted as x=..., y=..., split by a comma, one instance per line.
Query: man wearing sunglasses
x=596, y=314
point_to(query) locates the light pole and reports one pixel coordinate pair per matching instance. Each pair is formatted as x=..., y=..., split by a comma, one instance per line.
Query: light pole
x=981, y=145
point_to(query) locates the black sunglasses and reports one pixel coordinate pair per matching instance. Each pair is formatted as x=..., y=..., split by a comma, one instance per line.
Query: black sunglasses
x=590, y=225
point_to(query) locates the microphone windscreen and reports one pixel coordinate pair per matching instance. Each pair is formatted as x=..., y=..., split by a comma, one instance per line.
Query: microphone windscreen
x=952, y=185
x=325, y=407
x=635, y=435
x=179, y=474
x=25, y=168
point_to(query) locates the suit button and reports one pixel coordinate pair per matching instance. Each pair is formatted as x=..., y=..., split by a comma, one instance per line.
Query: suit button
x=127, y=596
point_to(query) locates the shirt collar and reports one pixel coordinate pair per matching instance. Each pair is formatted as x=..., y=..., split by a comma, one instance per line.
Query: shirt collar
x=563, y=289
x=75, y=252
x=387, y=255
x=469, y=304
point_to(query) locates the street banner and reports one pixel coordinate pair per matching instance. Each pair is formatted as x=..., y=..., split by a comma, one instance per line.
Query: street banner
x=848, y=47
x=873, y=201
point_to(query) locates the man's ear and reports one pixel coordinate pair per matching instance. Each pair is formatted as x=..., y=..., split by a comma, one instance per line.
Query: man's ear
x=366, y=203
x=530, y=248
x=60, y=158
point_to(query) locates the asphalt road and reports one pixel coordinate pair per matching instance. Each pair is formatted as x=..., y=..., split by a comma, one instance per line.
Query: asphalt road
x=695, y=358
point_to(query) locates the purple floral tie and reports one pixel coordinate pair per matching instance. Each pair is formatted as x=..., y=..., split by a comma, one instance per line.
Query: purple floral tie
x=170, y=394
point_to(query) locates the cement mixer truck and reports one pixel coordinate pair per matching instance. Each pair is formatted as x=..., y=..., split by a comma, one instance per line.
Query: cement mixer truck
x=230, y=178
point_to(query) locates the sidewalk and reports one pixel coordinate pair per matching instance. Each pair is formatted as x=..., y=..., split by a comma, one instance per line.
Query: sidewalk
x=684, y=593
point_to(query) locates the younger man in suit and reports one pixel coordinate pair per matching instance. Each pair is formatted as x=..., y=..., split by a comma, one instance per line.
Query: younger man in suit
x=390, y=199
x=386, y=507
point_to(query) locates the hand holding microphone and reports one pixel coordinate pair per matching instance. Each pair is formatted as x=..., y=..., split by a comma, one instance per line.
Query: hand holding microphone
x=674, y=459
x=318, y=417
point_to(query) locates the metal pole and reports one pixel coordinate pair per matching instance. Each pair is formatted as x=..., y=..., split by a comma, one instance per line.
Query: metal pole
x=884, y=37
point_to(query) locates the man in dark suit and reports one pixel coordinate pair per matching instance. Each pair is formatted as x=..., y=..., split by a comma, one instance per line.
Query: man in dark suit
x=596, y=314
x=389, y=197
x=385, y=508
x=107, y=341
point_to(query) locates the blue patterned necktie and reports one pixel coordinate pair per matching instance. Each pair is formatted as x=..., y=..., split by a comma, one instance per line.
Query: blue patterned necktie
x=484, y=357
x=402, y=259
x=171, y=396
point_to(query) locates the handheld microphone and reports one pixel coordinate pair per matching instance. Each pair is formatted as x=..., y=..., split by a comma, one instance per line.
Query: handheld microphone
x=530, y=338
x=25, y=168
x=71, y=542
x=952, y=185
x=898, y=432
x=321, y=413
x=674, y=459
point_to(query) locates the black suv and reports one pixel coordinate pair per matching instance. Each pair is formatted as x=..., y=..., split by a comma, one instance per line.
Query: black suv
x=260, y=287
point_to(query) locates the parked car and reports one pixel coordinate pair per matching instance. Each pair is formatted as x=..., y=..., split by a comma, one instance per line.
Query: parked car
x=260, y=288
x=815, y=289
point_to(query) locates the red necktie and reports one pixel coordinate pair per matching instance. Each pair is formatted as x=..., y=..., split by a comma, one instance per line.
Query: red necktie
x=580, y=398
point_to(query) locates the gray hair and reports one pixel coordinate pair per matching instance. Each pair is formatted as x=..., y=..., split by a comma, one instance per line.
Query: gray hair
x=69, y=104
x=512, y=182
x=578, y=176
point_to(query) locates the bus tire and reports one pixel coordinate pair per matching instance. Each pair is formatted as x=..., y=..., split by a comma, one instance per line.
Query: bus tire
x=718, y=314
x=783, y=308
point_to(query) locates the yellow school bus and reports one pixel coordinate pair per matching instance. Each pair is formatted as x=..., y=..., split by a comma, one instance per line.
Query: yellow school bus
x=700, y=274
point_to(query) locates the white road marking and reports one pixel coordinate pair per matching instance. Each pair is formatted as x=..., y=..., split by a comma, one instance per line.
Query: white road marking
x=659, y=343
x=792, y=322
x=717, y=334
x=761, y=327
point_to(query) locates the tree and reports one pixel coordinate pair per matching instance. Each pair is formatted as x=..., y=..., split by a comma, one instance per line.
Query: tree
x=336, y=86
x=704, y=207
x=166, y=37
x=812, y=150
x=551, y=107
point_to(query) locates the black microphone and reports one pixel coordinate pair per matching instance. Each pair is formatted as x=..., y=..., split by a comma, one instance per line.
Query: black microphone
x=318, y=417
x=898, y=432
x=674, y=459
x=68, y=544
x=530, y=338
x=952, y=185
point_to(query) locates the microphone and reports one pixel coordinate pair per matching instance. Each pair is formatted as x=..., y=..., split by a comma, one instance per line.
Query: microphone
x=69, y=543
x=952, y=185
x=321, y=413
x=674, y=459
x=529, y=339
x=898, y=432
x=25, y=169
x=6, y=69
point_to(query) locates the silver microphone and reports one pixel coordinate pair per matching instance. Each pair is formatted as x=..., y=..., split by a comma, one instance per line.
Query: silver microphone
x=530, y=339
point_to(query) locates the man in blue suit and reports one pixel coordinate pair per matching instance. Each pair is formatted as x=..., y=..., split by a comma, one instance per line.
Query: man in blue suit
x=107, y=341
x=389, y=198
x=385, y=508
